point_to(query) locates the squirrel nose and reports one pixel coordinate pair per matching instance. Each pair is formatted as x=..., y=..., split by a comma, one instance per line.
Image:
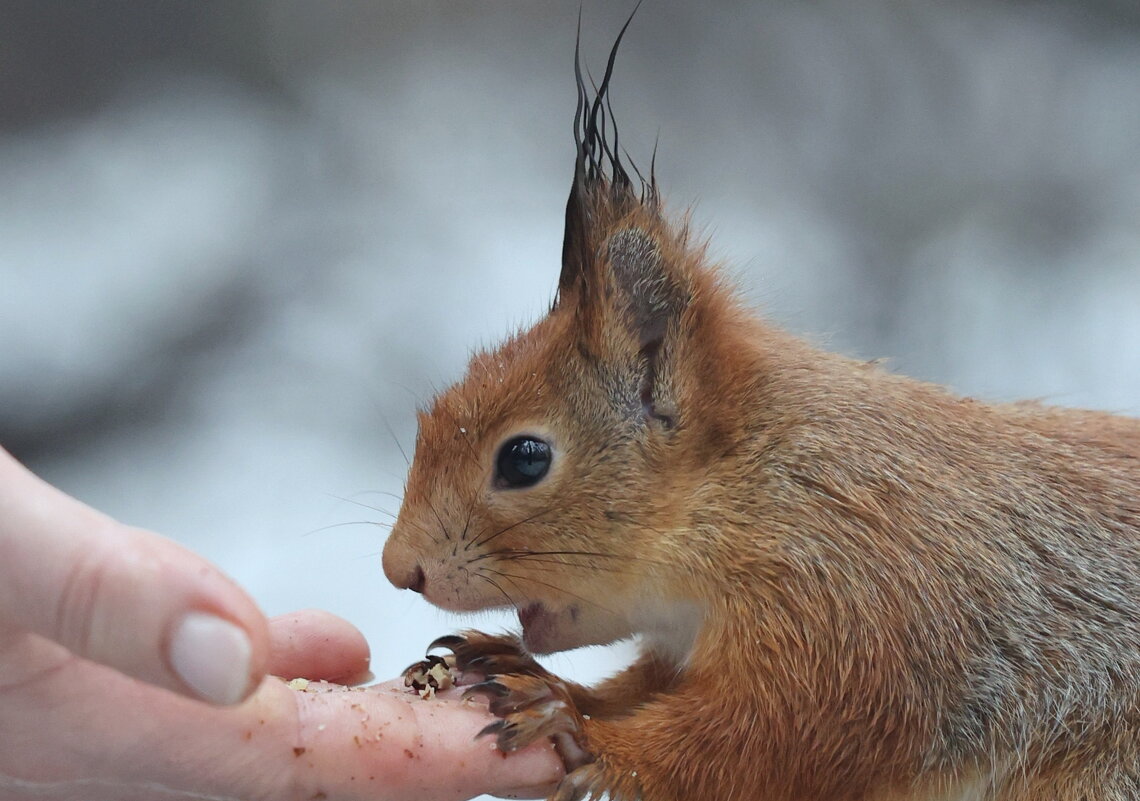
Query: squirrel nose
x=402, y=567
x=413, y=580
x=416, y=584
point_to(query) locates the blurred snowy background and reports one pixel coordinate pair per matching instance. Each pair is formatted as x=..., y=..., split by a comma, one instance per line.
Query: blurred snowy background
x=240, y=241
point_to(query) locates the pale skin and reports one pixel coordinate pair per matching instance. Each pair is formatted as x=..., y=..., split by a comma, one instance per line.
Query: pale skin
x=94, y=702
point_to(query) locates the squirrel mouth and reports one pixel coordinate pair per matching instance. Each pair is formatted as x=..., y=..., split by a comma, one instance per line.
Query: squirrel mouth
x=532, y=616
x=540, y=624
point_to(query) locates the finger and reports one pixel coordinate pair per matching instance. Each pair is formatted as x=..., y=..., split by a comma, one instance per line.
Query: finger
x=81, y=729
x=123, y=597
x=408, y=747
x=314, y=644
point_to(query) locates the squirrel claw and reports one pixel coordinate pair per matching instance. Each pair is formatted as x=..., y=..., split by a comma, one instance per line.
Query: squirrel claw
x=489, y=654
x=587, y=783
x=448, y=641
x=490, y=688
x=492, y=728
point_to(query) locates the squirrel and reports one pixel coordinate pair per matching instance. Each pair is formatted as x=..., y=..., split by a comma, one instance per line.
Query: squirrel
x=846, y=584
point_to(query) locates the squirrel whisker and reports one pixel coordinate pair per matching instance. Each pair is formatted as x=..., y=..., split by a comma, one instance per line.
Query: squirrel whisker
x=507, y=554
x=323, y=529
x=365, y=505
x=478, y=543
x=479, y=575
x=515, y=579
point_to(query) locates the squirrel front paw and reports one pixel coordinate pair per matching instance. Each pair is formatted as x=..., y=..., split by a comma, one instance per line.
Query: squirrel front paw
x=529, y=709
x=532, y=704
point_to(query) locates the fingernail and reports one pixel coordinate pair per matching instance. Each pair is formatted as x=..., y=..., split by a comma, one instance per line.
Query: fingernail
x=212, y=656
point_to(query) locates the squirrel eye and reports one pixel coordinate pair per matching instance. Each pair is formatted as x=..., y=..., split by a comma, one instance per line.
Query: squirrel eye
x=522, y=462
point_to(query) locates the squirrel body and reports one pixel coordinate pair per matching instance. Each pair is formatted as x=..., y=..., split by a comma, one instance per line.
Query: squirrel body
x=848, y=584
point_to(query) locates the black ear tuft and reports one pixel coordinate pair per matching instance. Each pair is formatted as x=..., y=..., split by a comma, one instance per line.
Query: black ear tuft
x=576, y=246
x=602, y=186
x=614, y=272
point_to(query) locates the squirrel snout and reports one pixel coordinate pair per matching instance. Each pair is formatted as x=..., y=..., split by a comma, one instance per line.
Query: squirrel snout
x=415, y=580
x=404, y=574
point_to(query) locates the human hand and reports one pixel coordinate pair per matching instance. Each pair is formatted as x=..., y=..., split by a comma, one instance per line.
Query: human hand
x=111, y=638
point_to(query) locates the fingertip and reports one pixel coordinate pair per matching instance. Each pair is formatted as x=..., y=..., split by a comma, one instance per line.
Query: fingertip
x=217, y=644
x=315, y=644
x=122, y=596
x=213, y=657
x=163, y=614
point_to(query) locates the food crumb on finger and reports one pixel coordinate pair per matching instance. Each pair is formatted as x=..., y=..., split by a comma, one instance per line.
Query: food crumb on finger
x=433, y=674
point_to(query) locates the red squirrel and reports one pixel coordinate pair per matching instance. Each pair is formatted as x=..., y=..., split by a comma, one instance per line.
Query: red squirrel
x=846, y=584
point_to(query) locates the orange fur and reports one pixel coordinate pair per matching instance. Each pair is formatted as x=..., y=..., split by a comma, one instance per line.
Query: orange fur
x=849, y=584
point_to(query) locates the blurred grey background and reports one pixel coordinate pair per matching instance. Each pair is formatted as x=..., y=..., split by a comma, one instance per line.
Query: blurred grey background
x=240, y=241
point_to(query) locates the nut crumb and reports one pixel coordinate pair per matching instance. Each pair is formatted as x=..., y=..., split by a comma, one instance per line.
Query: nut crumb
x=434, y=673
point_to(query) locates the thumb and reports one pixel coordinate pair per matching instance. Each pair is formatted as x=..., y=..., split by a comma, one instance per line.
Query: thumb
x=120, y=596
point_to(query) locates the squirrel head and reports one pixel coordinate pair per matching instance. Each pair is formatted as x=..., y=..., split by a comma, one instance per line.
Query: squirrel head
x=548, y=479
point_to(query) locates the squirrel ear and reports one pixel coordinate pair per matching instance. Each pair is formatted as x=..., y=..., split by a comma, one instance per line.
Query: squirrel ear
x=654, y=300
x=651, y=295
x=626, y=297
x=623, y=289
